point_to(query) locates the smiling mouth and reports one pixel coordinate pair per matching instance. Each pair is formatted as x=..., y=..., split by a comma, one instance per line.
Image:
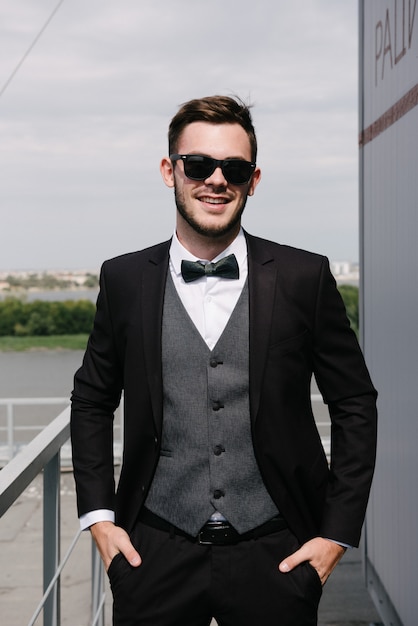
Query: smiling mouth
x=209, y=200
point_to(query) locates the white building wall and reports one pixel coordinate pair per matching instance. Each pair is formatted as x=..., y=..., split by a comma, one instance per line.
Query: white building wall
x=389, y=224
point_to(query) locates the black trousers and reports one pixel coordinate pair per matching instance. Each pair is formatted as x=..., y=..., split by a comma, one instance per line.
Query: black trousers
x=181, y=583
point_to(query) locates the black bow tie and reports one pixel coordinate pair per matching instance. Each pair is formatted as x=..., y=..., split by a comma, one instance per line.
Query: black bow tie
x=225, y=268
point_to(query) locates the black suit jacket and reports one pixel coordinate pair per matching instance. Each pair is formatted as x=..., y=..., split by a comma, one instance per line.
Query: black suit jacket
x=298, y=327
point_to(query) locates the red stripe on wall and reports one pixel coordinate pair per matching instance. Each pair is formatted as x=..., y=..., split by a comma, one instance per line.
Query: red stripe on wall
x=392, y=115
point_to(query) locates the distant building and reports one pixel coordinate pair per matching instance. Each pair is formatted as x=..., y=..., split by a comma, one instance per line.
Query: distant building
x=345, y=271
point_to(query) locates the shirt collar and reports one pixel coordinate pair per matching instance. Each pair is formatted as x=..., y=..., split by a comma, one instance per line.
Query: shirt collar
x=178, y=252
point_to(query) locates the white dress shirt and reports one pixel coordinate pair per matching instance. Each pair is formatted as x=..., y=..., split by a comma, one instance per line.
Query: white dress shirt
x=209, y=301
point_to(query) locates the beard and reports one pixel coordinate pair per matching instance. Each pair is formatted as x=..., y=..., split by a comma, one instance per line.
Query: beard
x=202, y=229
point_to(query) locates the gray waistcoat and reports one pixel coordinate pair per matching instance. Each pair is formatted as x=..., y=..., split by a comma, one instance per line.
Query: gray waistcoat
x=207, y=460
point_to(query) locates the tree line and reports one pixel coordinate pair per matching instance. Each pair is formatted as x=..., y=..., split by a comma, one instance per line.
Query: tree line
x=40, y=317
x=349, y=294
x=73, y=317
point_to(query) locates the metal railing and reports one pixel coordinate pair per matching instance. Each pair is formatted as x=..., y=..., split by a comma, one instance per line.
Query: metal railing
x=42, y=454
x=12, y=429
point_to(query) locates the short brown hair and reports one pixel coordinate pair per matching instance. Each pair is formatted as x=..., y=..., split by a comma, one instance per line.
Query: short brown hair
x=214, y=110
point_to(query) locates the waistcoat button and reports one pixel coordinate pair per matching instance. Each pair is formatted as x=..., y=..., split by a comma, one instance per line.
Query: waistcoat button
x=217, y=450
x=218, y=493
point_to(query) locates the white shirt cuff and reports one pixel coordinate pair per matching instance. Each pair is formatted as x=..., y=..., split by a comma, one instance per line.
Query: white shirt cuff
x=340, y=543
x=93, y=517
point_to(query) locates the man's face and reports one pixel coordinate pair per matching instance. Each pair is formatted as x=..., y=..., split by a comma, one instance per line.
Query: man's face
x=211, y=207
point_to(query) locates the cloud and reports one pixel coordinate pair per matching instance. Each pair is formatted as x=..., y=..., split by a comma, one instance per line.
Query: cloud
x=84, y=122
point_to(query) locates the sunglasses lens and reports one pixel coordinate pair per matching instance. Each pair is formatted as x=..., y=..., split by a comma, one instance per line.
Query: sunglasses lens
x=198, y=167
x=237, y=172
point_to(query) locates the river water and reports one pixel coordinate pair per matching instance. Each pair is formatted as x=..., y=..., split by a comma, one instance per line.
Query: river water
x=52, y=294
x=38, y=373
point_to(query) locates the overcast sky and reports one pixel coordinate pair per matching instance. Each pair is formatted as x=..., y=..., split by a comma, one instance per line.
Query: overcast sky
x=84, y=121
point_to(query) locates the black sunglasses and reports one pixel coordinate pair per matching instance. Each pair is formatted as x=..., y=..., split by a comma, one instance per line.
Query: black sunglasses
x=199, y=167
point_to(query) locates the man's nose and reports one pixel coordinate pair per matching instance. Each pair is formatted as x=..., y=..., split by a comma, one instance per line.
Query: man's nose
x=217, y=179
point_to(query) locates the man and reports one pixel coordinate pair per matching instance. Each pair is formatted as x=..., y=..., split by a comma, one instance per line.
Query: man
x=226, y=506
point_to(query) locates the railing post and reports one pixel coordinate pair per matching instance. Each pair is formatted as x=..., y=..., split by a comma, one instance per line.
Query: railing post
x=97, y=586
x=52, y=484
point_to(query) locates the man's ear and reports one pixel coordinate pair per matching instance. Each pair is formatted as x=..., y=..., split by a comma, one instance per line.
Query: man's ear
x=167, y=171
x=255, y=179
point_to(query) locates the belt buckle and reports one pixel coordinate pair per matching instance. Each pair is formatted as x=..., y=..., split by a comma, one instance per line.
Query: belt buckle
x=202, y=541
x=218, y=535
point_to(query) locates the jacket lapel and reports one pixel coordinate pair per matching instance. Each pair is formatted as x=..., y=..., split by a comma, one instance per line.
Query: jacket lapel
x=262, y=272
x=152, y=301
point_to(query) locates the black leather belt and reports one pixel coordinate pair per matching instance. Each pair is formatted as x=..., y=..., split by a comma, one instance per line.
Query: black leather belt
x=214, y=533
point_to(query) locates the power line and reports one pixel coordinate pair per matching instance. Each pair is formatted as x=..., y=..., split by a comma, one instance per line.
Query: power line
x=29, y=50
